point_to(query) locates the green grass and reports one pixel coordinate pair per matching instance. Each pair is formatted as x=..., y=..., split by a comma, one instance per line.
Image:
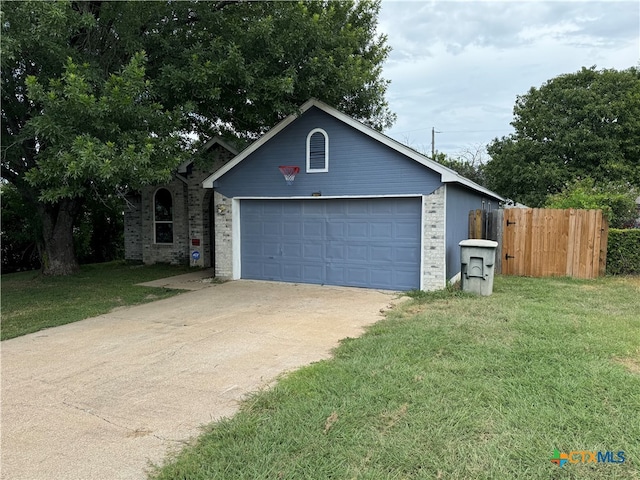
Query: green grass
x=455, y=387
x=31, y=301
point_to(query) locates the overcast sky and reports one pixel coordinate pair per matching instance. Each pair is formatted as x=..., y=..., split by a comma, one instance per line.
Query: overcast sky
x=458, y=66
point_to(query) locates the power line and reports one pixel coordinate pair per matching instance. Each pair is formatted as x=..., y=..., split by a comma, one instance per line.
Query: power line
x=446, y=131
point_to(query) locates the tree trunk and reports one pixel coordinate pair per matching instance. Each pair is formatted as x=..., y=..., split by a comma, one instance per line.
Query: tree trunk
x=59, y=255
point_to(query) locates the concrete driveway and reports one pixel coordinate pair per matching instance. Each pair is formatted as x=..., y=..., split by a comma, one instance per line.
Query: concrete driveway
x=107, y=397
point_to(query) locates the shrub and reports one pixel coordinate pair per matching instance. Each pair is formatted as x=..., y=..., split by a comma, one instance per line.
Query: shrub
x=617, y=202
x=623, y=252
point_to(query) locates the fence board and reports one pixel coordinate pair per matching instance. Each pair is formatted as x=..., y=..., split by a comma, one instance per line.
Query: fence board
x=545, y=242
x=604, y=242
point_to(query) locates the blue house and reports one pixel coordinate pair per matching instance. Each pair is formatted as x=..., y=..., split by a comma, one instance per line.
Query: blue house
x=363, y=210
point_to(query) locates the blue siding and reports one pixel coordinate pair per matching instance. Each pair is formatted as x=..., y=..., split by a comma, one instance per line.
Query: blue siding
x=460, y=201
x=358, y=165
x=372, y=242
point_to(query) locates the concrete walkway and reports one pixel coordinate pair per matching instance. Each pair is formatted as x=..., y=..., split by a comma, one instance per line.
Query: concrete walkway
x=107, y=397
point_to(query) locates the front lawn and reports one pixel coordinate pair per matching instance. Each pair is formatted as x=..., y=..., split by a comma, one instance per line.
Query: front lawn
x=454, y=387
x=31, y=301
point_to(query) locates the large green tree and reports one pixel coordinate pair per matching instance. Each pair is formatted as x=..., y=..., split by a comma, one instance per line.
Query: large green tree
x=578, y=125
x=101, y=97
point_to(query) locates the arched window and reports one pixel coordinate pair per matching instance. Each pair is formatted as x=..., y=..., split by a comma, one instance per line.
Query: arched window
x=163, y=216
x=317, y=151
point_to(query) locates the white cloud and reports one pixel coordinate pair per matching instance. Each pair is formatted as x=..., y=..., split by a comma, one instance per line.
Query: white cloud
x=458, y=66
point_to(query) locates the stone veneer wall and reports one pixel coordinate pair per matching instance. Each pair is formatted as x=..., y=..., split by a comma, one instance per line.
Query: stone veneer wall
x=434, y=234
x=201, y=215
x=223, y=235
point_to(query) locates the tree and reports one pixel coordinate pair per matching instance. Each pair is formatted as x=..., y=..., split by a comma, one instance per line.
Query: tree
x=468, y=164
x=98, y=97
x=19, y=230
x=583, y=124
x=617, y=202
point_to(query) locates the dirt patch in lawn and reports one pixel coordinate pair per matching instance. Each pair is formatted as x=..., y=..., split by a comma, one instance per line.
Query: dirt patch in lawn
x=630, y=363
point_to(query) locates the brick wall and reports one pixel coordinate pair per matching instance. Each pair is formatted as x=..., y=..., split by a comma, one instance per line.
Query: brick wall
x=176, y=252
x=191, y=216
x=434, y=255
x=133, y=229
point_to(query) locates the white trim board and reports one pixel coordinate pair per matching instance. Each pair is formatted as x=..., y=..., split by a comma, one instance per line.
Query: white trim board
x=329, y=197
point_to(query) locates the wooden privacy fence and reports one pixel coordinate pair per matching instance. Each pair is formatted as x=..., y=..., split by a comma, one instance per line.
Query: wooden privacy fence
x=545, y=242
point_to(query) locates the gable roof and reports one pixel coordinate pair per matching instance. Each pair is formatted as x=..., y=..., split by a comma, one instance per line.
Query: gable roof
x=447, y=175
x=183, y=167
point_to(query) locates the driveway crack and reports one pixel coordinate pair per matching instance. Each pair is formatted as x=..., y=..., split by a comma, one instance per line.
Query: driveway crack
x=134, y=432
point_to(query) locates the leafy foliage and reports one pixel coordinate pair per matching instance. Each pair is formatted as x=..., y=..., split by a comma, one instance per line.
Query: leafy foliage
x=468, y=168
x=19, y=232
x=616, y=202
x=578, y=125
x=99, y=138
x=97, y=97
x=623, y=252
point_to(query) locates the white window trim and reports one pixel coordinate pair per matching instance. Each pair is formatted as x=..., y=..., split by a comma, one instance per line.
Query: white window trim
x=155, y=222
x=326, y=152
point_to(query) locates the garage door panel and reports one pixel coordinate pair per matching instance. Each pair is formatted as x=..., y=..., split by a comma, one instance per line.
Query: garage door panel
x=355, y=242
x=273, y=208
x=271, y=271
x=336, y=230
x=381, y=230
x=312, y=230
x=405, y=280
x=404, y=208
x=313, y=273
x=253, y=227
x=252, y=270
x=252, y=209
x=358, y=277
x=336, y=209
x=358, y=207
x=268, y=249
x=292, y=251
x=291, y=229
x=335, y=251
x=313, y=251
x=382, y=254
x=405, y=230
x=271, y=228
x=357, y=230
x=292, y=272
x=312, y=208
x=291, y=209
x=357, y=253
x=382, y=277
x=382, y=208
x=406, y=255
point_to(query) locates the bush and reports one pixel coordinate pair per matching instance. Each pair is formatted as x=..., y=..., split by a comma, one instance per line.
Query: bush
x=623, y=252
x=617, y=202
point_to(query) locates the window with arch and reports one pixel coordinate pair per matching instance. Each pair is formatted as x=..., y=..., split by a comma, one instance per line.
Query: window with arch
x=163, y=216
x=317, y=151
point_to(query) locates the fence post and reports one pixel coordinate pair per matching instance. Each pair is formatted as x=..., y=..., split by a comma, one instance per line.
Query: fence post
x=604, y=239
x=496, y=235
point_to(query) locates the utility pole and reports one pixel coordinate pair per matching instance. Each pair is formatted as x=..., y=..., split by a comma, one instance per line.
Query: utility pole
x=433, y=143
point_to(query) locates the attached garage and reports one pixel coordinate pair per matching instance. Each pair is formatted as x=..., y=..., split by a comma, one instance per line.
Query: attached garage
x=363, y=210
x=360, y=242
